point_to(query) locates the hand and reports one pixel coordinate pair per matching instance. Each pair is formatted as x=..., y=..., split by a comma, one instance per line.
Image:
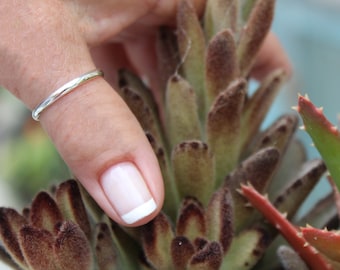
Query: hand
x=45, y=44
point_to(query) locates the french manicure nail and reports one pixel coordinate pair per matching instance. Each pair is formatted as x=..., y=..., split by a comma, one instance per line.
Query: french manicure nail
x=127, y=192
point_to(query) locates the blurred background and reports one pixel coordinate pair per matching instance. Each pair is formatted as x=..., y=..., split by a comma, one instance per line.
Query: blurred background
x=308, y=29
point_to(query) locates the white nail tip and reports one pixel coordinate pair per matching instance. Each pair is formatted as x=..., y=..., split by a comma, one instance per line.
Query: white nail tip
x=140, y=212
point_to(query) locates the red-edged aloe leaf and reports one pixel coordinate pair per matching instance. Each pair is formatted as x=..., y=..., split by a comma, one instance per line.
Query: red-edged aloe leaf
x=209, y=258
x=327, y=242
x=221, y=64
x=193, y=167
x=45, y=213
x=257, y=106
x=245, y=251
x=181, y=251
x=290, y=259
x=219, y=218
x=291, y=234
x=219, y=15
x=223, y=128
x=70, y=202
x=254, y=32
x=181, y=111
x=106, y=253
x=10, y=224
x=191, y=221
x=191, y=43
x=326, y=137
x=157, y=236
x=37, y=246
x=72, y=248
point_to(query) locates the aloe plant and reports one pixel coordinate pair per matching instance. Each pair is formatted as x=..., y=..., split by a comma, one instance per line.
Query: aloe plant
x=210, y=146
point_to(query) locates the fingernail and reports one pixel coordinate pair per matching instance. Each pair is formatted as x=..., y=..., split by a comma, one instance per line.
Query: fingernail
x=127, y=192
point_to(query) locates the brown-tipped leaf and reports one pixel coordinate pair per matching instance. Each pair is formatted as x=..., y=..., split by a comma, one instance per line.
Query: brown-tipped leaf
x=191, y=45
x=294, y=195
x=11, y=223
x=191, y=220
x=106, y=253
x=219, y=218
x=181, y=251
x=259, y=104
x=181, y=111
x=258, y=169
x=45, y=213
x=72, y=248
x=254, y=32
x=69, y=200
x=193, y=167
x=157, y=237
x=221, y=64
x=223, y=128
x=209, y=258
x=37, y=246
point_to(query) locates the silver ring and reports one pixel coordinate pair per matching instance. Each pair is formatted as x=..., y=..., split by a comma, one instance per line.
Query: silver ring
x=64, y=90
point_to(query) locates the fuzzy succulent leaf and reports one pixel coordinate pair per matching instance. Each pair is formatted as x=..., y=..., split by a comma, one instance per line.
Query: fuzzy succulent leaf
x=254, y=32
x=106, y=253
x=219, y=15
x=193, y=167
x=191, y=220
x=72, y=248
x=157, y=237
x=223, y=128
x=208, y=258
x=326, y=137
x=181, y=251
x=191, y=44
x=258, y=169
x=70, y=202
x=11, y=223
x=181, y=111
x=220, y=218
x=245, y=250
x=294, y=195
x=44, y=212
x=219, y=72
x=258, y=105
x=37, y=247
x=290, y=259
x=279, y=134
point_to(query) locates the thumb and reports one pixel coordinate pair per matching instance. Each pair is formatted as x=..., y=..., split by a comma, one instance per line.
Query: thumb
x=103, y=144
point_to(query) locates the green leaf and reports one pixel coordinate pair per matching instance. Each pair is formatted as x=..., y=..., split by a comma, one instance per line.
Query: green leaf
x=326, y=137
x=191, y=220
x=157, y=237
x=223, y=128
x=220, y=218
x=254, y=32
x=191, y=44
x=181, y=111
x=219, y=15
x=193, y=167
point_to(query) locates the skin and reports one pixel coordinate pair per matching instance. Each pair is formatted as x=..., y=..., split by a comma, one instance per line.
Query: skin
x=45, y=44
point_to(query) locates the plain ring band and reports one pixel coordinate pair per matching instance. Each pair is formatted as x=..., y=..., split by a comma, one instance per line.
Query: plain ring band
x=64, y=90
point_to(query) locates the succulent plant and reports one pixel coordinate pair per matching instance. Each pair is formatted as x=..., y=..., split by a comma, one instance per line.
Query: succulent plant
x=213, y=155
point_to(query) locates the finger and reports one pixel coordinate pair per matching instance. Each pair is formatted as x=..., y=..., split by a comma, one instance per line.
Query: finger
x=271, y=56
x=92, y=128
